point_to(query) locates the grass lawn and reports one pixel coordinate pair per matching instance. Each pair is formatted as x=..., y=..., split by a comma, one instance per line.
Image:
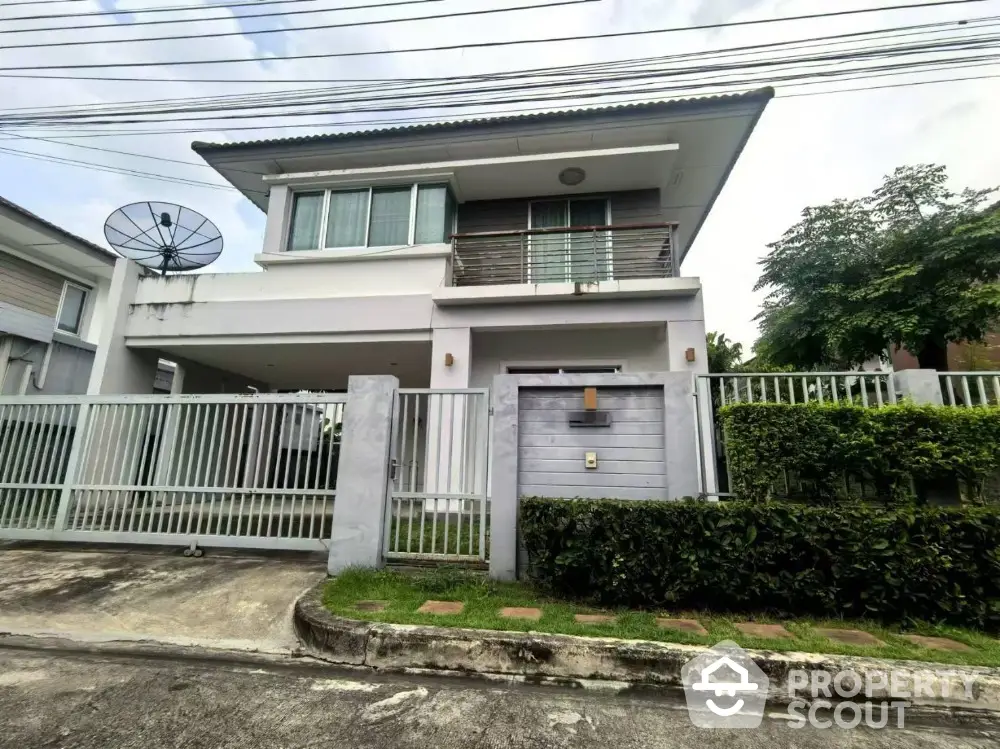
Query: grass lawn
x=483, y=599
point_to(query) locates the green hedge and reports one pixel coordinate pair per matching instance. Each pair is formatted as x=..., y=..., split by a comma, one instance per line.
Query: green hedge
x=894, y=448
x=893, y=564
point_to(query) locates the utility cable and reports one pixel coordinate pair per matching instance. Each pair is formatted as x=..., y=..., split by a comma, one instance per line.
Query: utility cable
x=481, y=45
x=357, y=84
x=317, y=27
x=175, y=9
x=197, y=183
x=511, y=93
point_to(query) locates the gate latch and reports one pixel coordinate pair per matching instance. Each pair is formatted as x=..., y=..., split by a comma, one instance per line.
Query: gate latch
x=393, y=468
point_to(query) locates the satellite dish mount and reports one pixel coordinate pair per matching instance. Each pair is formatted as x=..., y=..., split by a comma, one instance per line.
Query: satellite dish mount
x=163, y=236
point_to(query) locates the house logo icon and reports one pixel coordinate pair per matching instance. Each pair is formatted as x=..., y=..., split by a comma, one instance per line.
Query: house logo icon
x=724, y=688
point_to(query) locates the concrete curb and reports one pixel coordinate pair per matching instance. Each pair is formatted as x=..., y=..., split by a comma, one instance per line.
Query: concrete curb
x=568, y=658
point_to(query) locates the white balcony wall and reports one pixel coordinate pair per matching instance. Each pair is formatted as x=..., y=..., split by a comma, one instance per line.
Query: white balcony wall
x=410, y=271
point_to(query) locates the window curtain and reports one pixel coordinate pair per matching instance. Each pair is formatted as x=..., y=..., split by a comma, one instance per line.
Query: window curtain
x=305, y=221
x=588, y=251
x=346, y=220
x=433, y=214
x=548, y=251
x=390, y=217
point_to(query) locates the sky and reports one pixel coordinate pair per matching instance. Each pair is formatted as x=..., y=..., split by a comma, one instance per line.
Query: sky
x=806, y=150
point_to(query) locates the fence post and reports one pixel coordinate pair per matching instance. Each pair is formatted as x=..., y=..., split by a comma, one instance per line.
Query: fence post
x=363, y=475
x=503, y=477
x=706, y=435
x=919, y=386
x=72, y=466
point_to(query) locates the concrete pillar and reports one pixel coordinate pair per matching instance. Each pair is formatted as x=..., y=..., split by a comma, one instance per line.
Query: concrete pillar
x=681, y=336
x=504, y=498
x=919, y=386
x=458, y=343
x=118, y=369
x=680, y=435
x=279, y=212
x=448, y=416
x=359, y=510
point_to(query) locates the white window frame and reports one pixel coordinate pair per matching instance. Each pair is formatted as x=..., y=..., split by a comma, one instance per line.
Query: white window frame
x=81, y=322
x=568, y=200
x=325, y=214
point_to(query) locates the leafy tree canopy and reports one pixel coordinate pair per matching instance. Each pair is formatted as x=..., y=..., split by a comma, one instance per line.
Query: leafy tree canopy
x=913, y=265
x=723, y=355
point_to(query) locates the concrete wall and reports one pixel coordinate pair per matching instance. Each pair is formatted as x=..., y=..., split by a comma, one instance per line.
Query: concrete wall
x=680, y=449
x=630, y=451
x=382, y=274
x=635, y=349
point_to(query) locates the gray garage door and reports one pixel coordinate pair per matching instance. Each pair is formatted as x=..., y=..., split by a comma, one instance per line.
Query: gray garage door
x=630, y=452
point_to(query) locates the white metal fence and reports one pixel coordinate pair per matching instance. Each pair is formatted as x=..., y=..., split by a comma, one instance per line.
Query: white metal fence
x=970, y=388
x=255, y=471
x=437, y=505
x=862, y=388
x=713, y=391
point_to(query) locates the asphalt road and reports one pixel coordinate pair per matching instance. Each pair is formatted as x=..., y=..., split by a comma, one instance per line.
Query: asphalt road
x=74, y=701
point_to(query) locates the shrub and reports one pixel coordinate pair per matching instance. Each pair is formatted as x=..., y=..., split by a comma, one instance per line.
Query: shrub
x=893, y=564
x=893, y=448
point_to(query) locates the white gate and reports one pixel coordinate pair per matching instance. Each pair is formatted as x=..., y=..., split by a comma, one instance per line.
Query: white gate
x=249, y=471
x=437, y=505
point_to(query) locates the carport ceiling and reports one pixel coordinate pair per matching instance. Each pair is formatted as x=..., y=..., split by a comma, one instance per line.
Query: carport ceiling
x=317, y=366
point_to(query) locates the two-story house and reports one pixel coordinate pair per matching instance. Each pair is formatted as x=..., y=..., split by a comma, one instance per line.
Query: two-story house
x=449, y=253
x=53, y=289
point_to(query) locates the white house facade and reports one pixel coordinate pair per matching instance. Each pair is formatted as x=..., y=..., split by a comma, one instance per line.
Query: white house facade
x=448, y=254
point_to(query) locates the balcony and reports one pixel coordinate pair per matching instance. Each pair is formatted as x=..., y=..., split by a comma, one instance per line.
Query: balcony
x=577, y=254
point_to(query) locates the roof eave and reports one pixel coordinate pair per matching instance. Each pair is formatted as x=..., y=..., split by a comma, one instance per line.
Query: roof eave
x=57, y=232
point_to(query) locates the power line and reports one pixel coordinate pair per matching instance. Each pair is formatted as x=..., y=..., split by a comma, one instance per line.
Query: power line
x=175, y=8
x=316, y=27
x=479, y=45
x=116, y=170
x=43, y=2
x=514, y=88
x=198, y=183
x=888, y=85
x=829, y=40
x=690, y=87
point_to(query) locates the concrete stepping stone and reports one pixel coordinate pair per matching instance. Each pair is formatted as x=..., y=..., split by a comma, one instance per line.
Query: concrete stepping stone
x=593, y=619
x=849, y=636
x=441, y=608
x=684, y=625
x=938, y=643
x=770, y=631
x=518, y=612
x=371, y=605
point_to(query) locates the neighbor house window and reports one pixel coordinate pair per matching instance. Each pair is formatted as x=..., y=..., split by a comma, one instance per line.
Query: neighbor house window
x=71, y=306
x=371, y=217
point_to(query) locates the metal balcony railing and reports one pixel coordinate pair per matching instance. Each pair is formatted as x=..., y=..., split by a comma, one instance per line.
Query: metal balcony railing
x=582, y=254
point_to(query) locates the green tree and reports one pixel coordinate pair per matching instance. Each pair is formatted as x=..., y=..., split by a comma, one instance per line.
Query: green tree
x=723, y=355
x=912, y=265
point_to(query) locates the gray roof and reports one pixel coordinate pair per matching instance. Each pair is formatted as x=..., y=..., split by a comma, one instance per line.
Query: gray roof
x=762, y=95
x=69, y=236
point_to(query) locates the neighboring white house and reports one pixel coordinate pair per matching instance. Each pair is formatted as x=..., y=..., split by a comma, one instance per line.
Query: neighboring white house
x=53, y=293
x=446, y=254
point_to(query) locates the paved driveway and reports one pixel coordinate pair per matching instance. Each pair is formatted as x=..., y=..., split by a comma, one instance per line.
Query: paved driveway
x=97, y=702
x=100, y=596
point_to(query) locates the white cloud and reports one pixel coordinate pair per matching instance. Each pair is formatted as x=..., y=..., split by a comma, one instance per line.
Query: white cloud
x=805, y=150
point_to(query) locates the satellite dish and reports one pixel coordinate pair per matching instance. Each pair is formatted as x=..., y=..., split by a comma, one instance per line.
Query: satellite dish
x=163, y=236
